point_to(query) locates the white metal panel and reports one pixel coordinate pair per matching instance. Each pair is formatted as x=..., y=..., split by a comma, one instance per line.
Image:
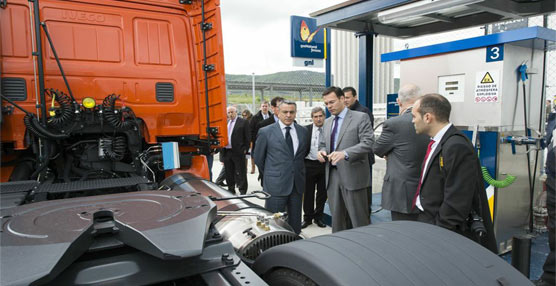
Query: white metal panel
x=345, y=64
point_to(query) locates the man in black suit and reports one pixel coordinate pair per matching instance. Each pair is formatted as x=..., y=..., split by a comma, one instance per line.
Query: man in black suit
x=353, y=104
x=315, y=173
x=274, y=103
x=233, y=155
x=451, y=188
x=263, y=114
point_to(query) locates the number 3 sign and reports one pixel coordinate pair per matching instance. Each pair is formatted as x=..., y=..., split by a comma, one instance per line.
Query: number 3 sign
x=495, y=53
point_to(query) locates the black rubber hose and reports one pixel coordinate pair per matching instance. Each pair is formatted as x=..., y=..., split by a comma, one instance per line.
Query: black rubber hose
x=17, y=161
x=22, y=171
x=34, y=126
x=110, y=113
x=531, y=190
x=115, y=148
x=66, y=111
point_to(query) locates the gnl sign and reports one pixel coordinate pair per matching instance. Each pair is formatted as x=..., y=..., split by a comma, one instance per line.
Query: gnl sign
x=308, y=47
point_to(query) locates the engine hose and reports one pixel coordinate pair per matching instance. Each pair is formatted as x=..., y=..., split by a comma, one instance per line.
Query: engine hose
x=115, y=148
x=66, y=109
x=17, y=161
x=497, y=183
x=110, y=113
x=36, y=128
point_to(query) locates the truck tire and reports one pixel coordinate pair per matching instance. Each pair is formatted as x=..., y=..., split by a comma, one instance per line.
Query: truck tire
x=288, y=277
x=392, y=253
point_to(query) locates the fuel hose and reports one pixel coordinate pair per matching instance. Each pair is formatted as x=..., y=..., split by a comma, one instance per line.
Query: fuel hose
x=497, y=183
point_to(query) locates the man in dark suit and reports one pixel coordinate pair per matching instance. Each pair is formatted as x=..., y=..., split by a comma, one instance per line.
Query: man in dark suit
x=354, y=104
x=451, y=186
x=274, y=103
x=281, y=148
x=233, y=155
x=404, y=151
x=263, y=114
x=548, y=277
x=314, y=173
x=346, y=142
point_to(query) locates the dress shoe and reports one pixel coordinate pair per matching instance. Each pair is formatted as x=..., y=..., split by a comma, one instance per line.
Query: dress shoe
x=306, y=223
x=320, y=223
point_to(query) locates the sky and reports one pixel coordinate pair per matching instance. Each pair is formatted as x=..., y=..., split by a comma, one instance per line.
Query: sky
x=256, y=33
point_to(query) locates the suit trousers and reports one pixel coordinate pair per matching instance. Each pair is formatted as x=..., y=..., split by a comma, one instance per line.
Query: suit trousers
x=403, y=216
x=315, y=175
x=346, y=205
x=235, y=166
x=290, y=204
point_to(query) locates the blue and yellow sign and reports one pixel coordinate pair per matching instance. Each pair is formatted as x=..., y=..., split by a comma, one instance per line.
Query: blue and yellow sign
x=307, y=41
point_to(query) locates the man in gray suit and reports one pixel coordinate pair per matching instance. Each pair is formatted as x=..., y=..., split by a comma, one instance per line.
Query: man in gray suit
x=404, y=151
x=347, y=141
x=280, y=151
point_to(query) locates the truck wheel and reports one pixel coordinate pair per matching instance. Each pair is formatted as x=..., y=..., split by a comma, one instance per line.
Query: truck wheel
x=288, y=277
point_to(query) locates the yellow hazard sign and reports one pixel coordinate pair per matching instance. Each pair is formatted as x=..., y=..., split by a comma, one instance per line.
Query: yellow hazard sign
x=487, y=78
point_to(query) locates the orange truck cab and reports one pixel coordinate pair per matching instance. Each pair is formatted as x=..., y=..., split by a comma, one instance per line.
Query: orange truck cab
x=110, y=91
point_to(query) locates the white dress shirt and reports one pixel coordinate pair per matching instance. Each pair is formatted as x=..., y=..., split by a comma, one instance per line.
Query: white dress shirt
x=315, y=138
x=293, y=134
x=265, y=116
x=436, y=139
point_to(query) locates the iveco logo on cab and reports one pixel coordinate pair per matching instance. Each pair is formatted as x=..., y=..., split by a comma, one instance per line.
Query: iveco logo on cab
x=83, y=16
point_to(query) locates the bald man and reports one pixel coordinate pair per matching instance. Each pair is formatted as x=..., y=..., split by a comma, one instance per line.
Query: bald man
x=233, y=155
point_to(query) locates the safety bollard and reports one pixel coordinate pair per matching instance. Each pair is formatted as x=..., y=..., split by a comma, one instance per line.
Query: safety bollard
x=521, y=253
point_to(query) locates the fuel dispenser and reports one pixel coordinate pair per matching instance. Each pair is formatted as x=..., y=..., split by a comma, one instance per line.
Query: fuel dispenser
x=495, y=85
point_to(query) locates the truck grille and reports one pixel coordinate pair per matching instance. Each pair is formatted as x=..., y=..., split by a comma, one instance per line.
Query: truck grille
x=164, y=92
x=14, y=88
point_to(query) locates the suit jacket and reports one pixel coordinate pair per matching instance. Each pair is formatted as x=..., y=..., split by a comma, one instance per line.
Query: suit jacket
x=357, y=106
x=253, y=124
x=405, y=150
x=453, y=186
x=266, y=122
x=361, y=108
x=309, y=137
x=241, y=137
x=281, y=169
x=356, y=138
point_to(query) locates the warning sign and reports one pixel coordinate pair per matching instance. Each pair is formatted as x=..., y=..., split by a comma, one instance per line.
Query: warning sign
x=487, y=78
x=487, y=86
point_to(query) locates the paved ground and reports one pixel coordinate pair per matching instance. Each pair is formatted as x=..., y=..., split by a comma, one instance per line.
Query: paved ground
x=253, y=185
x=313, y=230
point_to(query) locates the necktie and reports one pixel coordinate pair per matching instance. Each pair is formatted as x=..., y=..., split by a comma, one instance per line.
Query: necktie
x=422, y=172
x=229, y=146
x=289, y=140
x=333, y=134
x=319, y=136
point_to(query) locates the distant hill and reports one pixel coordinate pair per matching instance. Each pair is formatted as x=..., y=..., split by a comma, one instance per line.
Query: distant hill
x=292, y=77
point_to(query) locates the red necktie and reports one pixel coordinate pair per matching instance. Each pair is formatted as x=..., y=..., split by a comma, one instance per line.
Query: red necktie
x=422, y=172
